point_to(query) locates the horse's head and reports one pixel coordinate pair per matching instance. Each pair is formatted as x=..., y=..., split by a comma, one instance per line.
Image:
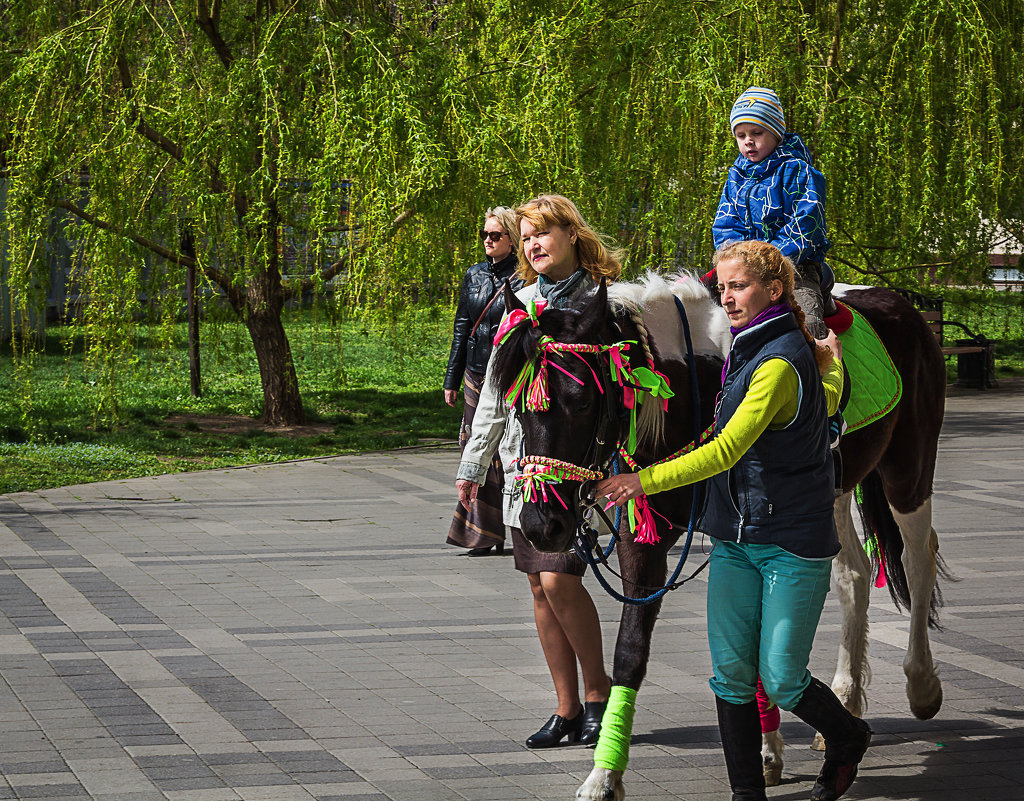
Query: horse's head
x=557, y=368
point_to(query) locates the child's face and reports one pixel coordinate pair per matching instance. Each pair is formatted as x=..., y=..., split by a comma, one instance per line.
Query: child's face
x=754, y=141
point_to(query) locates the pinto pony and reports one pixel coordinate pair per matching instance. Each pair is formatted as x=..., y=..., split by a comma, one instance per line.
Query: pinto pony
x=577, y=380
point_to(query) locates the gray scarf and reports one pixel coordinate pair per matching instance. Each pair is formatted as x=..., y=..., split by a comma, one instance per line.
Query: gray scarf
x=558, y=293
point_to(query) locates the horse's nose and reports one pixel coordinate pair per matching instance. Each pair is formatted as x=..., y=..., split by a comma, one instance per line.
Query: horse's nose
x=548, y=533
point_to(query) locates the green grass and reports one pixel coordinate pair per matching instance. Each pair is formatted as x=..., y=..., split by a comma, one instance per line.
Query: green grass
x=362, y=390
x=996, y=314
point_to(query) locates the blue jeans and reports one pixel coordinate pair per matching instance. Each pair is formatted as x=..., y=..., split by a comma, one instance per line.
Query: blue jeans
x=764, y=604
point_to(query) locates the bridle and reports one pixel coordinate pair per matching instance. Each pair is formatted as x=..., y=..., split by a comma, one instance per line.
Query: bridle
x=539, y=474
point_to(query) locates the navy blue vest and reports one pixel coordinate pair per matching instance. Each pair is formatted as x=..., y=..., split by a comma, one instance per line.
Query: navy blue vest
x=780, y=491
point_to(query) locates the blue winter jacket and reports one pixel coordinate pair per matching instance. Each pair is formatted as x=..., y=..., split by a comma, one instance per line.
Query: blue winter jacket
x=780, y=199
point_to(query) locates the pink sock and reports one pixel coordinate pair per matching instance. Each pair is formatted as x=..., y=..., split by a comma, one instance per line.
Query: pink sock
x=770, y=717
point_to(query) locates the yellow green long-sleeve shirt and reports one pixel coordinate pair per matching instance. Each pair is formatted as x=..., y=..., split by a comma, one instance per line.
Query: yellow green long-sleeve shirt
x=771, y=400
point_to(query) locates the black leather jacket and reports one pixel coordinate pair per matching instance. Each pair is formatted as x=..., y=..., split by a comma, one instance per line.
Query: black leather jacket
x=470, y=351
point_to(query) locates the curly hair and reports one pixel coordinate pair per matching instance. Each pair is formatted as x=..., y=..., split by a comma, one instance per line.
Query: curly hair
x=594, y=252
x=766, y=263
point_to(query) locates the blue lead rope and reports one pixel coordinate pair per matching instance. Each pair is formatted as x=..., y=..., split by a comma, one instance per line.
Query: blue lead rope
x=583, y=544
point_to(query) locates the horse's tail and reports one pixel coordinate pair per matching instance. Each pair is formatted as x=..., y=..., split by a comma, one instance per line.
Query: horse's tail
x=880, y=527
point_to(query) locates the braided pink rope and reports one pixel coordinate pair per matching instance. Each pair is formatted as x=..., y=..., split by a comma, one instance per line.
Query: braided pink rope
x=572, y=471
x=539, y=474
x=534, y=379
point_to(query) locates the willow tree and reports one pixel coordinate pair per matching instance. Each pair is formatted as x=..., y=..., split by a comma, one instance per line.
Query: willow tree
x=141, y=117
x=154, y=123
x=906, y=105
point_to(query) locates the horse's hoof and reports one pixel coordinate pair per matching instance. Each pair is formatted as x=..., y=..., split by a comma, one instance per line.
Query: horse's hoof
x=930, y=710
x=772, y=773
x=818, y=743
x=602, y=785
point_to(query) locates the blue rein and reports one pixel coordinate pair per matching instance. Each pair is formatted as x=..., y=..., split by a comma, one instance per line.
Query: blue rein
x=585, y=547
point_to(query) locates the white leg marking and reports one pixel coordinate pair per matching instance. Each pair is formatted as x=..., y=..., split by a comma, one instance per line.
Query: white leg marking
x=851, y=575
x=602, y=785
x=920, y=546
x=771, y=756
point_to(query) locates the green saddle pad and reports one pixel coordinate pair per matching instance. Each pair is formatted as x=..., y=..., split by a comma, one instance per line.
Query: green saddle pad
x=876, y=386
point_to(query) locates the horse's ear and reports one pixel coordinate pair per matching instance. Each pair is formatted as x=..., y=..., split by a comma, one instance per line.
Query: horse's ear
x=594, y=314
x=511, y=301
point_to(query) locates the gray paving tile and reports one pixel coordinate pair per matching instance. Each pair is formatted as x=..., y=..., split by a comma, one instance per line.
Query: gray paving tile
x=51, y=791
x=258, y=634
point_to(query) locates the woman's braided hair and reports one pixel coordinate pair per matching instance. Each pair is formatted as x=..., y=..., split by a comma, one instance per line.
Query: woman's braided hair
x=766, y=263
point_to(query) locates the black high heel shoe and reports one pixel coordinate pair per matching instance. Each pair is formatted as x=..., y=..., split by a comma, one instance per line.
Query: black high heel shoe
x=485, y=550
x=552, y=732
x=593, y=711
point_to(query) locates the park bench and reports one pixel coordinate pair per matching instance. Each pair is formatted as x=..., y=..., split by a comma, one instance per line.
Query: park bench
x=975, y=354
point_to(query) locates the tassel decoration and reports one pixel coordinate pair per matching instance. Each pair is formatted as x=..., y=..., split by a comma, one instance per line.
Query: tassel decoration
x=641, y=518
x=538, y=399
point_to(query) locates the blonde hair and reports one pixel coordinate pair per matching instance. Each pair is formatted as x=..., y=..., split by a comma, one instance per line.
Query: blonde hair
x=594, y=252
x=506, y=218
x=766, y=263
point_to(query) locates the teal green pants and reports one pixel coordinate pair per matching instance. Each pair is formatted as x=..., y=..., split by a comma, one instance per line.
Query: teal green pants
x=764, y=604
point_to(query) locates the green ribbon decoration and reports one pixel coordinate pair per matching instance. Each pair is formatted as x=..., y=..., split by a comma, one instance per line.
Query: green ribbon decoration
x=654, y=384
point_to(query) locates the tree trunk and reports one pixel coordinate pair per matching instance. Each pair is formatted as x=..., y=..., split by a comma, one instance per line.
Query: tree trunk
x=188, y=247
x=282, y=402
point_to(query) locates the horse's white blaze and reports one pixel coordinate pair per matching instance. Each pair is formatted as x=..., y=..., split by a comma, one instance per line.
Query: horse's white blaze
x=851, y=574
x=772, y=747
x=602, y=785
x=920, y=546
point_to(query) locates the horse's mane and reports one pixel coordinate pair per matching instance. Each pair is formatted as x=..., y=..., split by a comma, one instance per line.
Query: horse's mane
x=651, y=297
x=648, y=305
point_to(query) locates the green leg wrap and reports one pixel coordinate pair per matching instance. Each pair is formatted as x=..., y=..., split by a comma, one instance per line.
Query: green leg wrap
x=612, y=751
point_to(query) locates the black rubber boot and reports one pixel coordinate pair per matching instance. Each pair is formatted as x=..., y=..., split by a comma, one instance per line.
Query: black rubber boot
x=740, y=727
x=846, y=739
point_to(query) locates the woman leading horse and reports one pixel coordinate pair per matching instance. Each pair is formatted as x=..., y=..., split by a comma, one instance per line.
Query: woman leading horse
x=769, y=511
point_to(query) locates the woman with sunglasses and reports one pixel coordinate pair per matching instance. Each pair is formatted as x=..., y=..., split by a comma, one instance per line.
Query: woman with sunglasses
x=479, y=526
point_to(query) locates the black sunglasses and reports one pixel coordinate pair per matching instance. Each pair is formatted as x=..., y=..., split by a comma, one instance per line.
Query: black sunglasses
x=495, y=235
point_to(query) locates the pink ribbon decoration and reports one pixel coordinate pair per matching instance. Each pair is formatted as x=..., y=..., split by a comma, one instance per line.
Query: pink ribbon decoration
x=641, y=520
x=620, y=367
x=880, y=580
x=517, y=316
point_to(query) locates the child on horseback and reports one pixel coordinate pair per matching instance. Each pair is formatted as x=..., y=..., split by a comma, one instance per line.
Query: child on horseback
x=774, y=194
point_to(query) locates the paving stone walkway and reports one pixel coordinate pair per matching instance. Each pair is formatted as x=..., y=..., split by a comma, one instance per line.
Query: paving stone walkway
x=300, y=631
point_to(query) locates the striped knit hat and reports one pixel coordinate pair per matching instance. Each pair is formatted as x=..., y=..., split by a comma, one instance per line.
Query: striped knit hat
x=762, y=107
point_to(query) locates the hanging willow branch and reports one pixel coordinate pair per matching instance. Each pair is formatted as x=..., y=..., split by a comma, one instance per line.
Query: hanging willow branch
x=307, y=141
